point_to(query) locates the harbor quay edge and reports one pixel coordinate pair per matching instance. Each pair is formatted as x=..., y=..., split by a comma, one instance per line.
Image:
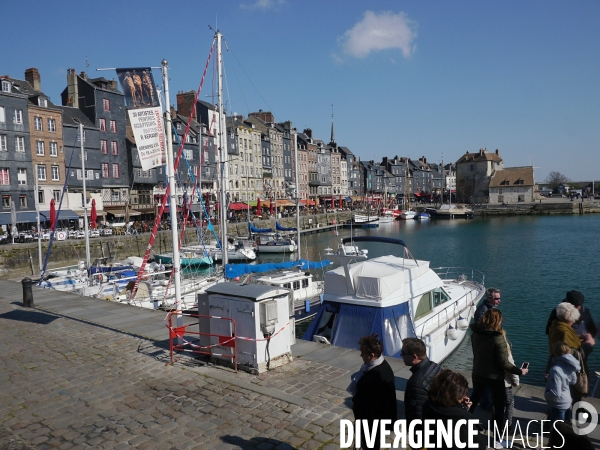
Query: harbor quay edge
x=80, y=372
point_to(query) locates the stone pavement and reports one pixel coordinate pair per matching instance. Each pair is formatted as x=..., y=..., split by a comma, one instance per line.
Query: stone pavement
x=84, y=373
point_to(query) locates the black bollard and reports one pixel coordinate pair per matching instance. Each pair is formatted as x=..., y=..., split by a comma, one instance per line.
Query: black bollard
x=27, y=293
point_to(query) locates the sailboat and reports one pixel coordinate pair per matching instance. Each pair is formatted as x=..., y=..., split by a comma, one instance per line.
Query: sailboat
x=407, y=213
x=449, y=210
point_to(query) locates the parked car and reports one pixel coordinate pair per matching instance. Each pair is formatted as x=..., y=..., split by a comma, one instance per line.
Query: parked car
x=3, y=238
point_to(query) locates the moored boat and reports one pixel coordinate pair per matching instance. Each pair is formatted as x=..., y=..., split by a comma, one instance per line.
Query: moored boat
x=396, y=297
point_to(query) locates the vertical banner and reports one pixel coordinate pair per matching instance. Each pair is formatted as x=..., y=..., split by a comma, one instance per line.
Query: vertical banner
x=149, y=133
x=138, y=87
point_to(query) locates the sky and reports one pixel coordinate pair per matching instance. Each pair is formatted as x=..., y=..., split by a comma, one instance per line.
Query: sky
x=407, y=78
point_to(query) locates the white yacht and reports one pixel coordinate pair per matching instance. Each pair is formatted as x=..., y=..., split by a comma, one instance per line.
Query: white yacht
x=396, y=297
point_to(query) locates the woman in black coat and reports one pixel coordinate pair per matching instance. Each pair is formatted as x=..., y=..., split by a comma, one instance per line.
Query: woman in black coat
x=448, y=400
x=372, y=388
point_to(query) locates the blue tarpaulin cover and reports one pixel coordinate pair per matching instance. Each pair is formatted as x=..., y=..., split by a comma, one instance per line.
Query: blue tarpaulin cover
x=253, y=229
x=237, y=270
x=280, y=228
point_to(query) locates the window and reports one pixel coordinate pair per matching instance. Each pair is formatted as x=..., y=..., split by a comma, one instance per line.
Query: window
x=439, y=297
x=79, y=137
x=104, y=147
x=20, y=144
x=53, y=149
x=115, y=195
x=106, y=103
x=42, y=102
x=102, y=124
x=55, y=173
x=41, y=172
x=52, y=125
x=424, y=307
x=114, y=148
x=18, y=116
x=39, y=148
x=22, y=176
x=105, y=173
x=40, y=196
x=116, y=171
x=4, y=176
x=5, y=86
x=55, y=195
x=6, y=201
x=189, y=154
x=113, y=126
x=3, y=145
x=2, y=114
x=22, y=201
x=37, y=123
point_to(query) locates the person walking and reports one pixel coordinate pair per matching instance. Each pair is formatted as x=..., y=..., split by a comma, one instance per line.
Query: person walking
x=490, y=362
x=561, y=376
x=372, y=387
x=414, y=355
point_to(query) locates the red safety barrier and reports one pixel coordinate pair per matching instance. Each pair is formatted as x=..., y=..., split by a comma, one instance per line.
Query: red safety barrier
x=179, y=333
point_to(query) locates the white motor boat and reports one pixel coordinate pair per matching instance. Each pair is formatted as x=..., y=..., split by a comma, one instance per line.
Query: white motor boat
x=275, y=243
x=365, y=221
x=451, y=211
x=396, y=297
x=409, y=214
x=306, y=291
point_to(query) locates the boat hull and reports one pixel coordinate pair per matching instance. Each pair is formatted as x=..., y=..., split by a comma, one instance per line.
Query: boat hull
x=195, y=262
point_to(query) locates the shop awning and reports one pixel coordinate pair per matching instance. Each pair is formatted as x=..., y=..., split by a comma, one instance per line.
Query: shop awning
x=307, y=202
x=280, y=203
x=356, y=198
x=31, y=216
x=235, y=206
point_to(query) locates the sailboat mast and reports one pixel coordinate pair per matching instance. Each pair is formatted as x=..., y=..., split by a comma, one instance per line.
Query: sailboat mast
x=297, y=193
x=85, y=214
x=222, y=151
x=172, y=192
x=37, y=210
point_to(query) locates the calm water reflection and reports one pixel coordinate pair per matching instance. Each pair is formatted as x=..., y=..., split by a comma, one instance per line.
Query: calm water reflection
x=533, y=260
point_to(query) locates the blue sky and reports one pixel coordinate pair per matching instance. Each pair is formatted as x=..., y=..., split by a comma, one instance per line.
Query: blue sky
x=408, y=78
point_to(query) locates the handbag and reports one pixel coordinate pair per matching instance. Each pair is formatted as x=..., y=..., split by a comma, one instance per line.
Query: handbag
x=581, y=385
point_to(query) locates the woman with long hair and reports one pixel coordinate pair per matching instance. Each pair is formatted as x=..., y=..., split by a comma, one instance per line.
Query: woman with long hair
x=490, y=363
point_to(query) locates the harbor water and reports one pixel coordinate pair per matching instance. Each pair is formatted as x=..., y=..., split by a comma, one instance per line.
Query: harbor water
x=533, y=260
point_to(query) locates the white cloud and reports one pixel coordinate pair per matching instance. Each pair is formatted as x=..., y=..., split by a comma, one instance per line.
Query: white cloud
x=263, y=4
x=376, y=32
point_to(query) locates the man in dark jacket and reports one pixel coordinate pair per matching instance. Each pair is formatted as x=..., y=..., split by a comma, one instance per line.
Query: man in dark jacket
x=492, y=300
x=585, y=325
x=414, y=354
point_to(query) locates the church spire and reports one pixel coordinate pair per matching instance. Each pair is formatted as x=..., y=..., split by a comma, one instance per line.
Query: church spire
x=332, y=134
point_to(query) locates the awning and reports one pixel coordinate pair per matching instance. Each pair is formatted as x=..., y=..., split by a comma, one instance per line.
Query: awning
x=348, y=199
x=307, y=202
x=31, y=216
x=356, y=198
x=235, y=206
x=280, y=203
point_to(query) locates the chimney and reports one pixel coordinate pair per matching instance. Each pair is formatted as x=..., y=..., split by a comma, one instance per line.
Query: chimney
x=481, y=152
x=113, y=83
x=308, y=132
x=83, y=75
x=32, y=76
x=497, y=152
x=185, y=104
x=72, y=89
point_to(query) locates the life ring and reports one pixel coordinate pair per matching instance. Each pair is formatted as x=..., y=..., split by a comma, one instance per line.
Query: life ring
x=61, y=236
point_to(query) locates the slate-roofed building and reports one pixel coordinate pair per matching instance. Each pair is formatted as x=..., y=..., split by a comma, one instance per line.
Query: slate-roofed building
x=353, y=173
x=512, y=185
x=104, y=105
x=473, y=174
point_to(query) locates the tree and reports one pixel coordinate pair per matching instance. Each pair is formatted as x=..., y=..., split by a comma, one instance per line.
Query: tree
x=556, y=178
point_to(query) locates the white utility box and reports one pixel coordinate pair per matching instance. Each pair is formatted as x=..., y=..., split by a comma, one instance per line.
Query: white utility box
x=258, y=311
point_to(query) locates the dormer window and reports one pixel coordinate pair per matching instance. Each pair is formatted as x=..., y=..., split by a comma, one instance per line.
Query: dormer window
x=519, y=181
x=505, y=183
x=42, y=102
x=5, y=86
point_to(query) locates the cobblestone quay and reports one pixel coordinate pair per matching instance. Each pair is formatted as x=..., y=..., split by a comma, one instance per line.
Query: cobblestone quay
x=80, y=373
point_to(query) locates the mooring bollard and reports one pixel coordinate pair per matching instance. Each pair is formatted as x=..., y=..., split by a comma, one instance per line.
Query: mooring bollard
x=27, y=293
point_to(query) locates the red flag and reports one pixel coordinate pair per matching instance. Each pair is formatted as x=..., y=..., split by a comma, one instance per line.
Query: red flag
x=258, y=206
x=271, y=206
x=93, y=215
x=52, y=214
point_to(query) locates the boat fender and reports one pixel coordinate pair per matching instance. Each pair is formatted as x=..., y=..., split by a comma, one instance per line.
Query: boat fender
x=462, y=323
x=452, y=333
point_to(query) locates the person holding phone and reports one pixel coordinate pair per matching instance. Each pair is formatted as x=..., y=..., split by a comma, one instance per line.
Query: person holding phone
x=490, y=362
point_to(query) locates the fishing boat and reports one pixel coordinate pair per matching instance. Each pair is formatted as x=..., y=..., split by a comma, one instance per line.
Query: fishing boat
x=365, y=221
x=396, y=297
x=450, y=211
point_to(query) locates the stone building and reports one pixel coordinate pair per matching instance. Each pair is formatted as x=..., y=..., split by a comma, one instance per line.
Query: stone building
x=473, y=174
x=512, y=185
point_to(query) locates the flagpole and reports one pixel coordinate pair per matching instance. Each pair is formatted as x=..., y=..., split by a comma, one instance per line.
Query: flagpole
x=223, y=154
x=297, y=193
x=37, y=210
x=85, y=218
x=172, y=195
